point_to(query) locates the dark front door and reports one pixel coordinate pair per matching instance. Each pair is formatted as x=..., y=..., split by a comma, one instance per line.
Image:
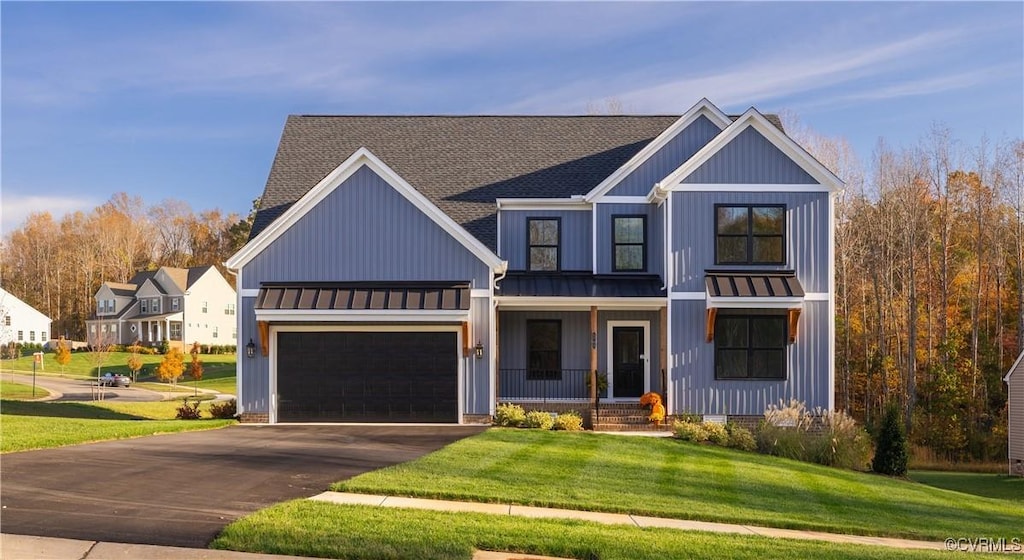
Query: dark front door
x=367, y=377
x=628, y=363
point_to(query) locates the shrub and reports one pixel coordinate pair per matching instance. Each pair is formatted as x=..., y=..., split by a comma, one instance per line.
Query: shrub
x=891, y=446
x=165, y=346
x=783, y=441
x=689, y=431
x=740, y=438
x=538, y=419
x=509, y=415
x=189, y=410
x=716, y=433
x=223, y=409
x=569, y=421
x=842, y=443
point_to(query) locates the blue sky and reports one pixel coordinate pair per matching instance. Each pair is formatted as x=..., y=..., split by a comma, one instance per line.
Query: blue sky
x=187, y=100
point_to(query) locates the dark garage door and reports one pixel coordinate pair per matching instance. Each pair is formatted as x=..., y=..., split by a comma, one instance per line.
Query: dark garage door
x=367, y=377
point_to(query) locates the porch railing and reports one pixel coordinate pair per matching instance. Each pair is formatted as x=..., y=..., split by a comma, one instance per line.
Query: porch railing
x=547, y=385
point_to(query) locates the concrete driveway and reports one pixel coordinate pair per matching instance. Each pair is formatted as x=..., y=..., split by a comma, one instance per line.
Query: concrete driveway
x=181, y=489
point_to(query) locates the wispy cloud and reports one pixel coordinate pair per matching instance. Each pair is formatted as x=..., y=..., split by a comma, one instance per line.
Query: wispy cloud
x=17, y=207
x=810, y=68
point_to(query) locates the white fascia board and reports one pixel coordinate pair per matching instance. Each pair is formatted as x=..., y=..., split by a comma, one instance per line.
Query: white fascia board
x=754, y=302
x=753, y=118
x=702, y=107
x=542, y=204
x=361, y=315
x=751, y=187
x=1014, y=367
x=622, y=200
x=361, y=157
x=249, y=292
x=556, y=303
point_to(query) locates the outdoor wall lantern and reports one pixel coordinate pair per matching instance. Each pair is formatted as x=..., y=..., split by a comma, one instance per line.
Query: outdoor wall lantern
x=250, y=349
x=479, y=350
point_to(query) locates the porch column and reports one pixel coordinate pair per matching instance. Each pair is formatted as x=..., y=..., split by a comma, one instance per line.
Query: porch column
x=663, y=341
x=159, y=332
x=494, y=357
x=593, y=353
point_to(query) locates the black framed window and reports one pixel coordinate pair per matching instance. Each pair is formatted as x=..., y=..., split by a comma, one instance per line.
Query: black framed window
x=544, y=349
x=629, y=243
x=750, y=346
x=750, y=234
x=544, y=236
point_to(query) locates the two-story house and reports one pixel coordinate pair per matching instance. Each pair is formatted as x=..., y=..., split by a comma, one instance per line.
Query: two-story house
x=180, y=305
x=20, y=323
x=412, y=269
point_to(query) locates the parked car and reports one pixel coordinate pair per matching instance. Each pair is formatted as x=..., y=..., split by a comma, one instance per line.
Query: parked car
x=115, y=380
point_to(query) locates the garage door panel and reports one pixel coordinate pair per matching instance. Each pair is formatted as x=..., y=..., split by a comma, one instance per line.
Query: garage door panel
x=367, y=376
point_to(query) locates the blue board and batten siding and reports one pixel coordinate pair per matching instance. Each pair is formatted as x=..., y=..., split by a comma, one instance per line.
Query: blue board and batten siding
x=365, y=231
x=692, y=375
x=655, y=235
x=663, y=162
x=693, y=236
x=751, y=159
x=575, y=232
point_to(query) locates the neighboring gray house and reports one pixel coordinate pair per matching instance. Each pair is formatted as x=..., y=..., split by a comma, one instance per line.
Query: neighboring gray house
x=1015, y=415
x=409, y=269
x=180, y=305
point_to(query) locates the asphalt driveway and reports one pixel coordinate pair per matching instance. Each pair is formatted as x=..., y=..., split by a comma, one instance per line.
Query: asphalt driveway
x=181, y=489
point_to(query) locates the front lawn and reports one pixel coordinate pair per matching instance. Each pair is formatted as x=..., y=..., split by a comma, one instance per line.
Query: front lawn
x=19, y=391
x=38, y=425
x=308, y=528
x=1001, y=486
x=669, y=478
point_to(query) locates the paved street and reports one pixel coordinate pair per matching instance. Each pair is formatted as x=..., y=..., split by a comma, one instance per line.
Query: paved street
x=79, y=390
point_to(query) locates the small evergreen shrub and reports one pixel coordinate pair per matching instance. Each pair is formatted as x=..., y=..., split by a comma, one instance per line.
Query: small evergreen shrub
x=509, y=415
x=568, y=421
x=538, y=419
x=224, y=409
x=740, y=438
x=165, y=346
x=891, y=453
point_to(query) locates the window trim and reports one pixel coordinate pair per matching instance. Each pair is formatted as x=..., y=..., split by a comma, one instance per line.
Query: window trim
x=557, y=246
x=750, y=234
x=539, y=375
x=748, y=315
x=643, y=244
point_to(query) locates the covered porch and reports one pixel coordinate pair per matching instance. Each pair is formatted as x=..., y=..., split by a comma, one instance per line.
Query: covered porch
x=566, y=339
x=153, y=330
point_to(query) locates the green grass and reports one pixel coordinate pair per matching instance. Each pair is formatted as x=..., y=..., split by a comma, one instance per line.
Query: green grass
x=1000, y=486
x=218, y=368
x=308, y=528
x=19, y=391
x=668, y=478
x=39, y=425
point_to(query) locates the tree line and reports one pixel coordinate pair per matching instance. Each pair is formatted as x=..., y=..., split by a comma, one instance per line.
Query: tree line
x=929, y=276
x=57, y=266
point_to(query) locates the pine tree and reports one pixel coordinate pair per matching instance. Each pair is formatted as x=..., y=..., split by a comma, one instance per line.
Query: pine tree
x=891, y=445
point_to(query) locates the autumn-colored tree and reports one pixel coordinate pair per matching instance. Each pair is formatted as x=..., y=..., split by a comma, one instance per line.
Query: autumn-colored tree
x=172, y=366
x=63, y=356
x=196, y=367
x=134, y=360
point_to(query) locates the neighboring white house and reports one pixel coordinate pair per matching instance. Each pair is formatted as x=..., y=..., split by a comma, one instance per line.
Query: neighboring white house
x=1015, y=415
x=180, y=305
x=20, y=322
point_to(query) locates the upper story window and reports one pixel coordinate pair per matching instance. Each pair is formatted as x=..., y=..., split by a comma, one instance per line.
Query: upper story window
x=204, y=307
x=154, y=305
x=749, y=234
x=544, y=236
x=7, y=320
x=750, y=347
x=144, y=306
x=229, y=309
x=174, y=304
x=31, y=336
x=629, y=243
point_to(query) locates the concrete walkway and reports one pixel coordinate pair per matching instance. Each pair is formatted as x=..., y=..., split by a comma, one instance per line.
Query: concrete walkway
x=619, y=519
x=22, y=547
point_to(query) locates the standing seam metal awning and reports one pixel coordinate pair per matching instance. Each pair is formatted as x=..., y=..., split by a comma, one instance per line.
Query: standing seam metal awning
x=377, y=296
x=753, y=290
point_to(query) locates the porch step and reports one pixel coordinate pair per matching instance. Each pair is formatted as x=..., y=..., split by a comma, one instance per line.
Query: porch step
x=618, y=427
x=624, y=417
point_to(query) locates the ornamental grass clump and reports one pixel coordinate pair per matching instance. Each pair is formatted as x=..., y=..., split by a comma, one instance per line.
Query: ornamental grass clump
x=820, y=436
x=538, y=419
x=509, y=415
x=842, y=443
x=568, y=421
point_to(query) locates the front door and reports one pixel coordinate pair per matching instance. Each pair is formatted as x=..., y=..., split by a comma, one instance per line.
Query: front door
x=627, y=362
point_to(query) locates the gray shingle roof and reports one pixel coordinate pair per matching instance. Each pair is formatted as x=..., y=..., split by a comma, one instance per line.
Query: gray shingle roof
x=461, y=163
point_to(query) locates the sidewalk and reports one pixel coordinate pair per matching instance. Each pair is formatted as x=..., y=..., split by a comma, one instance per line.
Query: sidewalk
x=619, y=519
x=24, y=547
